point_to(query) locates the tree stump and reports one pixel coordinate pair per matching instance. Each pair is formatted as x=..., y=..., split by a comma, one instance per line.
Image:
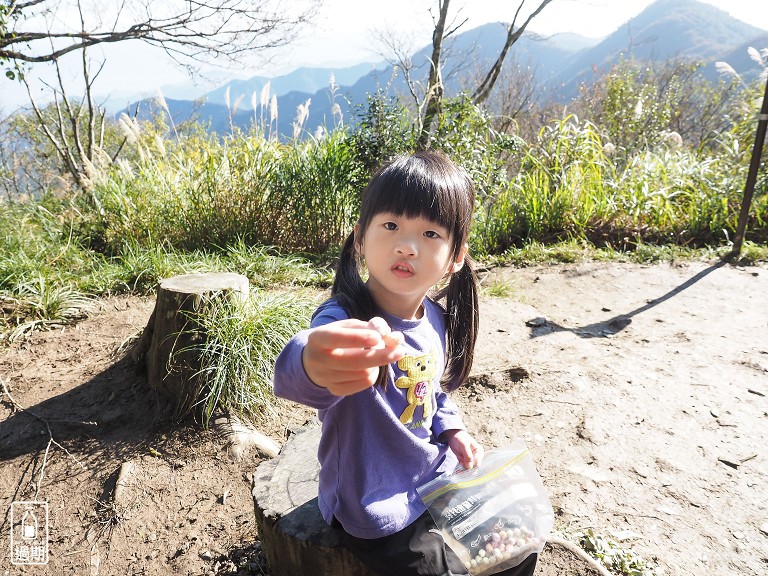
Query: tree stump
x=293, y=534
x=168, y=343
x=296, y=539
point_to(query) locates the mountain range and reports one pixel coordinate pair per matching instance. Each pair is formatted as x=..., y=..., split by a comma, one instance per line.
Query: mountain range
x=667, y=29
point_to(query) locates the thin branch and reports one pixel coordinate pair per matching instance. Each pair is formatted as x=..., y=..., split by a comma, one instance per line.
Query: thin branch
x=200, y=31
x=483, y=91
x=51, y=440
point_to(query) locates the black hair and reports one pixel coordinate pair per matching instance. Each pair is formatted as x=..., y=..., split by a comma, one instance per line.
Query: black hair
x=425, y=184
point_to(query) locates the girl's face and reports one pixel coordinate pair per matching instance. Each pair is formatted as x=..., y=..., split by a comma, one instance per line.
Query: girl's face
x=405, y=258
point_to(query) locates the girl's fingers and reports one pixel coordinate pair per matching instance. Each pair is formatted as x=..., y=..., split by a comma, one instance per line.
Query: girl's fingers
x=344, y=356
x=345, y=336
x=336, y=335
x=476, y=455
x=355, y=358
x=345, y=388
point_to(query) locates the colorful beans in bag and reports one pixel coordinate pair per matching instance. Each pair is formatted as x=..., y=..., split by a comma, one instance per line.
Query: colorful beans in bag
x=493, y=516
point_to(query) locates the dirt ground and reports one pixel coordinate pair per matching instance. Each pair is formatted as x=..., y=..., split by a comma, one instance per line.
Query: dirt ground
x=640, y=390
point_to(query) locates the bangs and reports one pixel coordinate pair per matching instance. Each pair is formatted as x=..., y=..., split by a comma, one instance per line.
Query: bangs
x=426, y=185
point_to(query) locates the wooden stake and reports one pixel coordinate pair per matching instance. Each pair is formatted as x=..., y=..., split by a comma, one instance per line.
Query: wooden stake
x=749, y=188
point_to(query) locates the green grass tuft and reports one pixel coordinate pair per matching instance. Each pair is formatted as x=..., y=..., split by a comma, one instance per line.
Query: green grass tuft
x=243, y=340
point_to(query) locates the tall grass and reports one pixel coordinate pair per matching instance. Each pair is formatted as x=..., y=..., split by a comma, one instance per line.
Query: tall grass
x=568, y=187
x=314, y=197
x=48, y=276
x=40, y=262
x=39, y=303
x=300, y=198
x=559, y=192
x=274, y=211
x=243, y=340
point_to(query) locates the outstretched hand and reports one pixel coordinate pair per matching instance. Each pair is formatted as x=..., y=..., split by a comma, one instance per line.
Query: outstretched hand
x=345, y=356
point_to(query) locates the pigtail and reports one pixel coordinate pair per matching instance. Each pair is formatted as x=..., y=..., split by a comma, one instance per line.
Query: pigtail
x=348, y=287
x=352, y=294
x=462, y=322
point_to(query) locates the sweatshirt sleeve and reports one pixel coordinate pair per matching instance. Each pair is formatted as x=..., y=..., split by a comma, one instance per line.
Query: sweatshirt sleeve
x=447, y=416
x=291, y=380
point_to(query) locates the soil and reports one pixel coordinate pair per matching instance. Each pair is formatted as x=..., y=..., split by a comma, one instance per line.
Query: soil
x=640, y=390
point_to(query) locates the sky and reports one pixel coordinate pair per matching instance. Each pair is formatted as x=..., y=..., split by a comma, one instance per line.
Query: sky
x=342, y=34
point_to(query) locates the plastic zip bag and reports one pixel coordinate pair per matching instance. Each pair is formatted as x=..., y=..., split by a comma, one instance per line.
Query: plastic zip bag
x=493, y=516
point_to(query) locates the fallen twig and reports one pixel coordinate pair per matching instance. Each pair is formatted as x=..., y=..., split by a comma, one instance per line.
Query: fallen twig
x=51, y=439
x=578, y=551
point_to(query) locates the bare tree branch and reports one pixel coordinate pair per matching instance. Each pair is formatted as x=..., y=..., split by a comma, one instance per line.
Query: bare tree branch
x=482, y=91
x=199, y=30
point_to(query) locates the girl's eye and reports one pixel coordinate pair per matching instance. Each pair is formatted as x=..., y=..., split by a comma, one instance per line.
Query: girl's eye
x=390, y=225
x=431, y=234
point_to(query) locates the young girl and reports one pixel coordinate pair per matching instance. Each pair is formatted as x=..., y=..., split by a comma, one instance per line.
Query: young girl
x=377, y=362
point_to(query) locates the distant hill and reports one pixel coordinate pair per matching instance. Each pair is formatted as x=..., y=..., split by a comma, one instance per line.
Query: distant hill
x=304, y=79
x=561, y=63
x=740, y=59
x=666, y=29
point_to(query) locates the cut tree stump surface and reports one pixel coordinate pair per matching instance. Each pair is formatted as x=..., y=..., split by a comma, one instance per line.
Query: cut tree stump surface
x=296, y=539
x=206, y=283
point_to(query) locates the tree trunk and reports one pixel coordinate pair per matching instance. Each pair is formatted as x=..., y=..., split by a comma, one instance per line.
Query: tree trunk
x=172, y=336
x=435, y=89
x=513, y=35
x=293, y=534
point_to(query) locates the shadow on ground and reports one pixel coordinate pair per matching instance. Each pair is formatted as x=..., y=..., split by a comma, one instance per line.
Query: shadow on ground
x=606, y=328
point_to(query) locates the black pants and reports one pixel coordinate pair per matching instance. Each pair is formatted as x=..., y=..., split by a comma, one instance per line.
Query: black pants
x=417, y=550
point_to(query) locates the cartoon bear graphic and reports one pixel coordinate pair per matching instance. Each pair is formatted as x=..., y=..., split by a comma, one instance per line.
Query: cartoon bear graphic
x=420, y=371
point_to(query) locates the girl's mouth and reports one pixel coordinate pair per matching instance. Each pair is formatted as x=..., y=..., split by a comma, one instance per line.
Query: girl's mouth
x=402, y=270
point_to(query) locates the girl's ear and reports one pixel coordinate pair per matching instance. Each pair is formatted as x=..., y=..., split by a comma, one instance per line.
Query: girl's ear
x=459, y=262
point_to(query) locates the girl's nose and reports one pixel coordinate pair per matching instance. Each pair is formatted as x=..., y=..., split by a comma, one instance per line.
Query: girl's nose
x=406, y=247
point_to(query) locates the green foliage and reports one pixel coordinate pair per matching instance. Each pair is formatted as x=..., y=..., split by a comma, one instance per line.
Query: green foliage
x=679, y=198
x=246, y=188
x=265, y=267
x=315, y=195
x=635, y=114
x=383, y=131
x=570, y=186
x=84, y=153
x=39, y=269
x=249, y=204
x=243, y=340
x=498, y=288
x=570, y=251
x=39, y=303
x=465, y=133
x=47, y=276
x=640, y=105
x=534, y=252
x=613, y=556
x=219, y=197
x=559, y=191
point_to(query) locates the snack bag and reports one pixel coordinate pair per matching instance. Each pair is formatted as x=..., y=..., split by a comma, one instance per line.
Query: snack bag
x=493, y=516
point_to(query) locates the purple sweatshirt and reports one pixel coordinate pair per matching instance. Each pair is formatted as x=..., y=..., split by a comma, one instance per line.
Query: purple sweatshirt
x=376, y=445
